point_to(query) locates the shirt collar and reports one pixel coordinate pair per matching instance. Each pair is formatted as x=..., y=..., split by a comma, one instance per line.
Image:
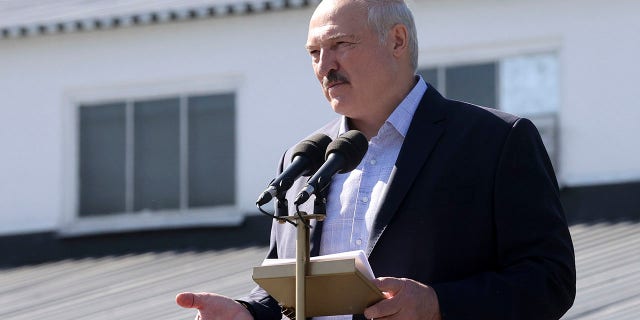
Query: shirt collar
x=401, y=117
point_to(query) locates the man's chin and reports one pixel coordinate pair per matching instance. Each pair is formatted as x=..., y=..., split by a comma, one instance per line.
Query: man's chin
x=340, y=107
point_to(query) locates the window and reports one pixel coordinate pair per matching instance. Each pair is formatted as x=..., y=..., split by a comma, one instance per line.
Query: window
x=474, y=83
x=156, y=155
x=525, y=85
x=530, y=87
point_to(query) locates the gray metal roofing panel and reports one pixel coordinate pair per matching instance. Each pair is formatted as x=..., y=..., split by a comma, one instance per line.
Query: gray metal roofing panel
x=607, y=265
x=123, y=287
x=21, y=18
x=143, y=286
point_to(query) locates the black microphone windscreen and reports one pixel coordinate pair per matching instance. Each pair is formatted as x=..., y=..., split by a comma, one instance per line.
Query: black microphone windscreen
x=313, y=148
x=352, y=145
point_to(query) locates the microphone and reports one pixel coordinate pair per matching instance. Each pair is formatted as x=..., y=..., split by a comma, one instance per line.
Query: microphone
x=343, y=155
x=306, y=158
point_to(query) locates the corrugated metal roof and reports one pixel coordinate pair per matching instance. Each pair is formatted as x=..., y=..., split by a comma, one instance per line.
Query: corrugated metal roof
x=608, y=270
x=143, y=286
x=22, y=18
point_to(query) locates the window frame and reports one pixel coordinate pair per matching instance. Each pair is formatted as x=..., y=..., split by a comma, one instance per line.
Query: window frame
x=71, y=224
x=441, y=58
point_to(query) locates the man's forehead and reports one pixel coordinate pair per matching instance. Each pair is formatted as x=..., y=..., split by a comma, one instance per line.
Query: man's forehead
x=338, y=14
x=331, y=32
x=337, y=24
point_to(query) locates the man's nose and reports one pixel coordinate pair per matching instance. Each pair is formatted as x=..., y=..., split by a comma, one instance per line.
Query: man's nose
x=326, y=62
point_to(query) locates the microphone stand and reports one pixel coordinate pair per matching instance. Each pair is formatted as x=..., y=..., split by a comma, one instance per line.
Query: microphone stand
x=301, y=220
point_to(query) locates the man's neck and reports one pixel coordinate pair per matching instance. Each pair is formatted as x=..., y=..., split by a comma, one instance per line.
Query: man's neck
x=369, y=129
x=370, y=125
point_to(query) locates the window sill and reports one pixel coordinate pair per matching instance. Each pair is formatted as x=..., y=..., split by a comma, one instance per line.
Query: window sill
x=227, y=216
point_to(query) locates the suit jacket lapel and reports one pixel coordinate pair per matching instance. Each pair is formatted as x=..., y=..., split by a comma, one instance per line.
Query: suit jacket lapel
x=426, y=128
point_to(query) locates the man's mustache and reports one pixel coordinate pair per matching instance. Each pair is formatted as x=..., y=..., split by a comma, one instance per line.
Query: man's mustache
x=332, y=78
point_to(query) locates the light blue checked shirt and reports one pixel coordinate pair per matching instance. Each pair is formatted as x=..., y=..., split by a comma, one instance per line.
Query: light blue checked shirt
x=355, y=197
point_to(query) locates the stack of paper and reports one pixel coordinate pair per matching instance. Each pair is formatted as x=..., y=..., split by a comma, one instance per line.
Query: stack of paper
x=335, y=284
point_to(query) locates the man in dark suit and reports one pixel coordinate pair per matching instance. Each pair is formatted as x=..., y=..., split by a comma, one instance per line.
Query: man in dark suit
x=455, y=205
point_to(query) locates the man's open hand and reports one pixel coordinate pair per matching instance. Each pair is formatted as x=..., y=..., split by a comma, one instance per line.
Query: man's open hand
x=213, y=306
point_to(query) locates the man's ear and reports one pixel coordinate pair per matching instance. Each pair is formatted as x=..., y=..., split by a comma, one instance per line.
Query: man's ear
x=399, y=39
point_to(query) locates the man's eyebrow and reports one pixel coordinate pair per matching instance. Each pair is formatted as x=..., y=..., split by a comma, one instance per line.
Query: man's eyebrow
x=342, y=36
x=334, y=37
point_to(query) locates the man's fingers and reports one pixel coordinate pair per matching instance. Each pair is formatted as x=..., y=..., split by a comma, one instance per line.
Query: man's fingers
x=390, y=285
x=410, y=299
x=387, y=307
x=186, y=300
x=384, y=308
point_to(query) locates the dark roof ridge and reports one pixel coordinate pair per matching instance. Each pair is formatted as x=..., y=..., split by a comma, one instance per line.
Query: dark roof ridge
x=36, y=21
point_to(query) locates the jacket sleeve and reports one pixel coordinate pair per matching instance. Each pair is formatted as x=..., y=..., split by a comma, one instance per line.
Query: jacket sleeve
x=535, y=276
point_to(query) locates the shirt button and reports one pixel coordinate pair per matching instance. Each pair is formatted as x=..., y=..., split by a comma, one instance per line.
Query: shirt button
x=365, y=199
x=373, y=162
x=359, y=242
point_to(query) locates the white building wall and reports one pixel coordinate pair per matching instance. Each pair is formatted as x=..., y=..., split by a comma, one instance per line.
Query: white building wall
x=598, y=44
x=262, y=57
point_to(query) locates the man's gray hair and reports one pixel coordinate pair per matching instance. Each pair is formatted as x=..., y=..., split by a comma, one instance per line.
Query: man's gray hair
x=384, y=14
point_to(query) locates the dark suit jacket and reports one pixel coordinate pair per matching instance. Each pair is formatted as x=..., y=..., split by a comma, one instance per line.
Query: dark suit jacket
x=472, y=210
